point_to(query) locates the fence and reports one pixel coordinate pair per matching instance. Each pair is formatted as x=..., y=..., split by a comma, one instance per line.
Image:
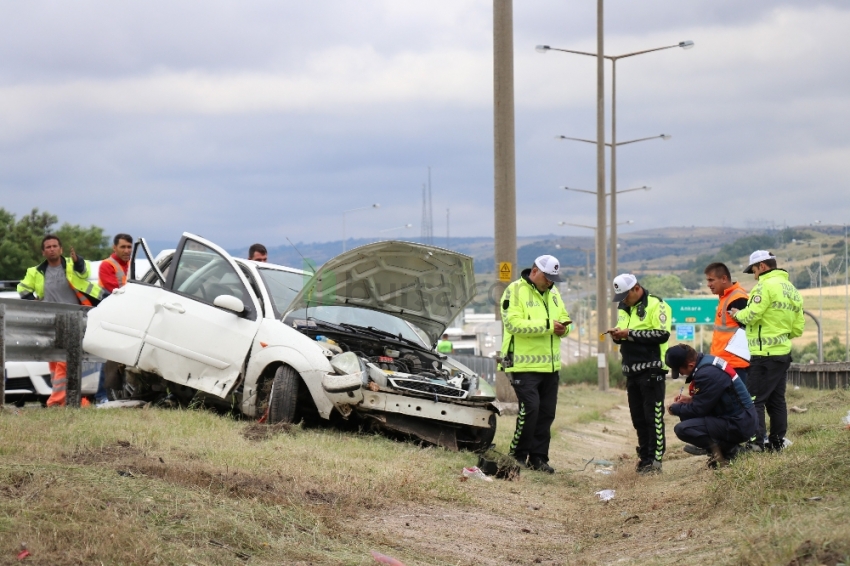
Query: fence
x=33, y=331
x=485, y=367
x=820, y=376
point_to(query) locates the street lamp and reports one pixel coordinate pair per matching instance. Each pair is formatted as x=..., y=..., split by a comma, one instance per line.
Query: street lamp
x=643, y=188
x=820, y=277
x=396, y=228
x=376, y=205
x=613, y=145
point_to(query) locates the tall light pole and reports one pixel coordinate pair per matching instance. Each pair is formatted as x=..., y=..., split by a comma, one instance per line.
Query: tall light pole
x=846, y=303
x=613, y=145
x=376, y=205
x=820, y=278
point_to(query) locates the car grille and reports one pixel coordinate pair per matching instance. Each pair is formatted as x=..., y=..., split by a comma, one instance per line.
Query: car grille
x=427, y=388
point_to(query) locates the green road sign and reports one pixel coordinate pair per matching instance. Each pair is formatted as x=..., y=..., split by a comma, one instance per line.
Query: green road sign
x=692, y=310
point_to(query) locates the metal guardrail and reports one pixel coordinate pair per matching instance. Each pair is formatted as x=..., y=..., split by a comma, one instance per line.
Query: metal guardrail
x=34, y=331
x=485, y=367
x=835, y=375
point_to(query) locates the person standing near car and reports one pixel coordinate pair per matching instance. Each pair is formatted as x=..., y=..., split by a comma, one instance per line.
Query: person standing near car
x=731, y=295
x=642, y=331
x=112, y=274
x=773, y=316
x=444, y=345
x=258, y=252
x=534, y=320
x=59, y=280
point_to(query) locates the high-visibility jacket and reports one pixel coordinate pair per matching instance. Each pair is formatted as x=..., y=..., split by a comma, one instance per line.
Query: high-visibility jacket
x=120, y=273
x=88, y=293
x=725, y=327
x=445, y=346
x=648, y=322
x=529, y=342
x=774, y=315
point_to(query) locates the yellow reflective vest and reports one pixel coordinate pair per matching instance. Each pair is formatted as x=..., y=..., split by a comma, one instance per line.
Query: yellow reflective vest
x=529, y=342
x=773, y=316
x=87, y=293
x=648, y=322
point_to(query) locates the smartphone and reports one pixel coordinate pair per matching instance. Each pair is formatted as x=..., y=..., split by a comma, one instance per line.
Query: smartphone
x=567, y=322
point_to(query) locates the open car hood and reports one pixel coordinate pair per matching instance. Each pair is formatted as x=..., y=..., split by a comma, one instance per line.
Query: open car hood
x=425, y=285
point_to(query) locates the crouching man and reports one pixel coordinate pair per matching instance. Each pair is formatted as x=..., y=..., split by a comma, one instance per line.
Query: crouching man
x=720, y=413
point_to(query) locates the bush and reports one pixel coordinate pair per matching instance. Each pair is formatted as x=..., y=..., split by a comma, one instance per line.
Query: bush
x=584, y=371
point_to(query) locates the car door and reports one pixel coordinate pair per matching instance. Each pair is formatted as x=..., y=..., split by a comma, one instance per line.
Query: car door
x=190, y=340
x=116, y=328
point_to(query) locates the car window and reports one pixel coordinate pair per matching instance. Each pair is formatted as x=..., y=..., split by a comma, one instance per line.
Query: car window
x=202, y=273
x=282, y=287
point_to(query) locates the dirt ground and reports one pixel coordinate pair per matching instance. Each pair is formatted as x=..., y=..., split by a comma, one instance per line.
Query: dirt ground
x=558, y=519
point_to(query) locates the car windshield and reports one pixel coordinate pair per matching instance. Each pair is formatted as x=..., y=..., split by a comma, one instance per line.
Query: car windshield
x=282, y=286
x=360, y=317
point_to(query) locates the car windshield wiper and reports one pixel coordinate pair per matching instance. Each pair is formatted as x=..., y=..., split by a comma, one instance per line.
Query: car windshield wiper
x=383, y=333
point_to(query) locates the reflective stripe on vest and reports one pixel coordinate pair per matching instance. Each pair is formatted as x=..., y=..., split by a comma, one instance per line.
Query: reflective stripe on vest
x=722, y=312
x=120, y=275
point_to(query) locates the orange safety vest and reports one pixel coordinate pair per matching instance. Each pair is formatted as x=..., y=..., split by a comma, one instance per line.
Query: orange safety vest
x=119, y=273
x=725, y=326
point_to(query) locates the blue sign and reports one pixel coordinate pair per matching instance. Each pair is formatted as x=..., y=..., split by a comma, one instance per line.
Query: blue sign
x=684, y=332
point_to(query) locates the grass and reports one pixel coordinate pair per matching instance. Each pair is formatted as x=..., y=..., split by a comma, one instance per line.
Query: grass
x=192, y=487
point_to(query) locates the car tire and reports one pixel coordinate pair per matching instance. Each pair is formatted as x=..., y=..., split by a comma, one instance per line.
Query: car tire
x=477, y=439
x=283, y=398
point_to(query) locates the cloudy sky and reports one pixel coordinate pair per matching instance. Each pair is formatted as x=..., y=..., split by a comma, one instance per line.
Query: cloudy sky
x=259, y=120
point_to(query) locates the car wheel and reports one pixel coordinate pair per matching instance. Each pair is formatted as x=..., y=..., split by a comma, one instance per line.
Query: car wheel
x=477, y=439
x=283, y=398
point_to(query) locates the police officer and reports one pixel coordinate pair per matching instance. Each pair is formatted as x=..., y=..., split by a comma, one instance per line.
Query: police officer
x=642, y=331
x=534, y=320
x=721, y=414
x=773, y=316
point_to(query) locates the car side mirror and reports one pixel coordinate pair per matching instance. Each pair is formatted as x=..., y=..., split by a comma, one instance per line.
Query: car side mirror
x=230, y=303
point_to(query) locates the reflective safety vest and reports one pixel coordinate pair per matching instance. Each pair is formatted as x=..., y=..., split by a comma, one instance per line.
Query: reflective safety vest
x=774, y=315
x=87, y=293
x=120, y=275
x=725, y=327
x=529, y=342
x=648, y=322
x=445, y=346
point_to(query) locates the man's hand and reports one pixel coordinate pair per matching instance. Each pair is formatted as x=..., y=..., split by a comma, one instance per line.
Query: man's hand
x=619, y=333
x=733, y=312
x=682, y=399
x=73, y=255
x=559, y=328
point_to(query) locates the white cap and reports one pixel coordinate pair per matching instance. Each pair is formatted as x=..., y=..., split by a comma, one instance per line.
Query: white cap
x=622, y=285
x=756, y=257
x=550, y=266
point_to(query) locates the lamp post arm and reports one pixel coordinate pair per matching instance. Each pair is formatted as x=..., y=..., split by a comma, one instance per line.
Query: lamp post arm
x=613, y=57
x=662, y=136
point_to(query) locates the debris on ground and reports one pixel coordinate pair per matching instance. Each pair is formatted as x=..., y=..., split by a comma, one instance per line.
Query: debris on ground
x=475, y=472
x=846, y=421
x=239, y=554
x=606, y=494
x=122, y=404
x=24, y=552
x=500, y=465
x=796, y=409
x=384, y=559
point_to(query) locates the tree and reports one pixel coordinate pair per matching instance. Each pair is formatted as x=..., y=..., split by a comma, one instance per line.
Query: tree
x=20, y=242
x=664, y=286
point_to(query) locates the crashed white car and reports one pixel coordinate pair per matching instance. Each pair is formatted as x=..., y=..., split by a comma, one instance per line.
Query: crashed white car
x=354, y=339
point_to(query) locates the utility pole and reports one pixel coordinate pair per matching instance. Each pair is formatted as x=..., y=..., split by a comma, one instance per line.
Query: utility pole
x=505, y=164
x=601, y=217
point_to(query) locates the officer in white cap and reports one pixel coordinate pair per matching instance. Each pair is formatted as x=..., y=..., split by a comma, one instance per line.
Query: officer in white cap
x=534, y=320
x=642, y=331
x=774, y=315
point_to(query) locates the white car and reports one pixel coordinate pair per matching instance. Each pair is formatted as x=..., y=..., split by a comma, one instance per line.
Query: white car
x=354, y=339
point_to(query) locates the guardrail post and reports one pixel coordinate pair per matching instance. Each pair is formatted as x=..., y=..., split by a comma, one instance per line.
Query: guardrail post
x=73, y=323
x=3, y=354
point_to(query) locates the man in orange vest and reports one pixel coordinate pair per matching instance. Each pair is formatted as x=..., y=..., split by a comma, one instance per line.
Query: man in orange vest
x=731, y=295
x=113, y=274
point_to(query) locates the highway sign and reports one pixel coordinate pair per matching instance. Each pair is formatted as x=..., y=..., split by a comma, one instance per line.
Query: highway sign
x=684, y=332
x=692, y=310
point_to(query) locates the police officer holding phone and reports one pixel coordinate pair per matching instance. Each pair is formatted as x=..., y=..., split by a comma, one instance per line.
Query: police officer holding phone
x=534, y=320
x=642, y=331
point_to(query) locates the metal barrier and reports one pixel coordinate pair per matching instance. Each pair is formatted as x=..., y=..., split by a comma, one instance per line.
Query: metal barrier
x=485, y=367
x=34, y=331
x=834, y=375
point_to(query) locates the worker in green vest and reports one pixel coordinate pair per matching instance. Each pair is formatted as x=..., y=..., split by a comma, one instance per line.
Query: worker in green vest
x=444, y=345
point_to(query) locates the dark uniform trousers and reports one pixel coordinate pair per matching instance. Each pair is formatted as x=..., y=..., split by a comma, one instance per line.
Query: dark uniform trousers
x=766, y=382
x=646, y=405
x=537, y=393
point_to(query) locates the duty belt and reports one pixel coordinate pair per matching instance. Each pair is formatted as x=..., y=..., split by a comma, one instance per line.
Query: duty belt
x=642, y=366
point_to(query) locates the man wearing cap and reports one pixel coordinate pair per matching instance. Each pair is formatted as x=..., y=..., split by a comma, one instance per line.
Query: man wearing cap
x=534, y=319
x=642, y=331
x=720, y=413
x=773, y=316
